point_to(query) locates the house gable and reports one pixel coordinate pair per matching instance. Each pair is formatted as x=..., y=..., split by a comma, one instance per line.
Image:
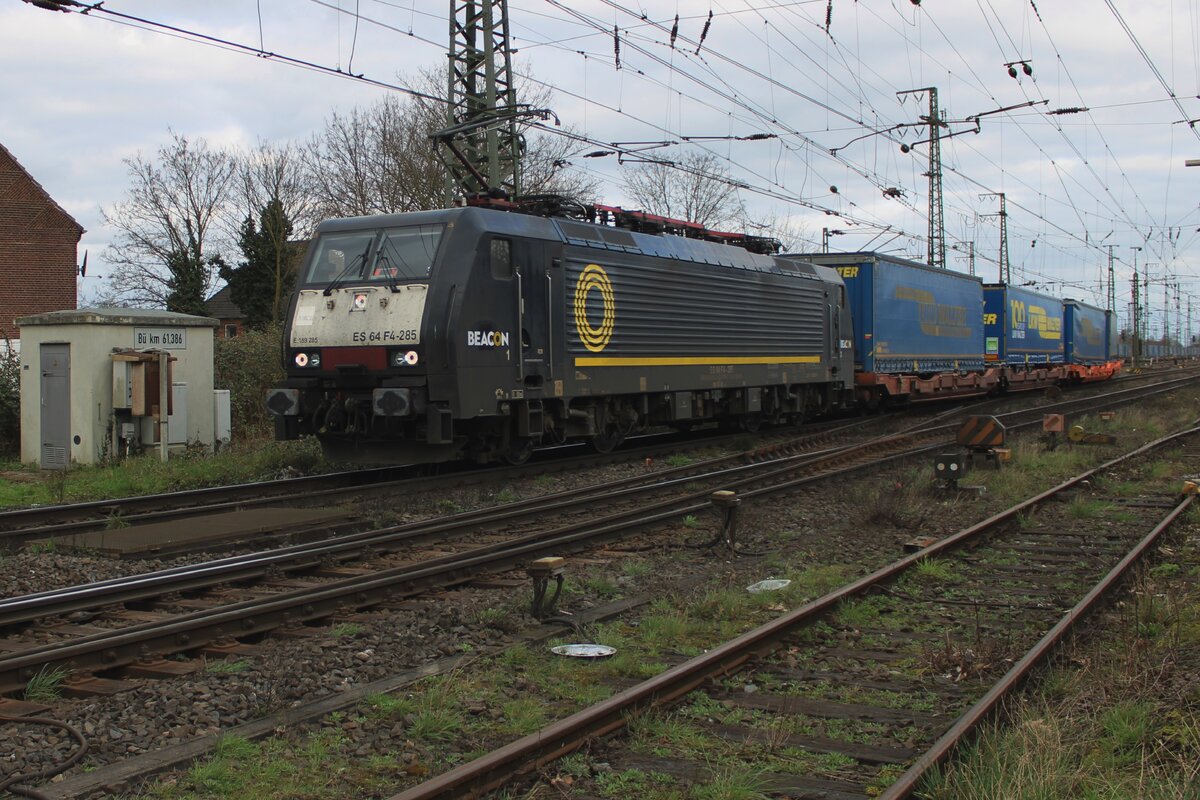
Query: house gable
x=38, y=248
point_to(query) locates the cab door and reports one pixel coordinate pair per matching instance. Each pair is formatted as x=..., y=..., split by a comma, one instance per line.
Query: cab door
x=531, y=259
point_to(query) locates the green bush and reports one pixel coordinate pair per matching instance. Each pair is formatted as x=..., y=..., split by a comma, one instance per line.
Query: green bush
x=248, y=366
x=10, y=400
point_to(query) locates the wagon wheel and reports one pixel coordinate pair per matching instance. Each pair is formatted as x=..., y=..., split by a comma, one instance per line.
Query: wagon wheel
x=608, y=440
x=518, y=451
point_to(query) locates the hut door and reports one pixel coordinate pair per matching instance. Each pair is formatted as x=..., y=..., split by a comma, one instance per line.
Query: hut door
x=56, y=405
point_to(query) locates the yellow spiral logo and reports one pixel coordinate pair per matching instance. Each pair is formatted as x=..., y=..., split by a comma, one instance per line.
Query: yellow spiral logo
x=593, y=338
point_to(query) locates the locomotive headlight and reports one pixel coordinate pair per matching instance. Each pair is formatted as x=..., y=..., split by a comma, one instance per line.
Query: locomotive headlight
x=301, y=359
x=401, y=358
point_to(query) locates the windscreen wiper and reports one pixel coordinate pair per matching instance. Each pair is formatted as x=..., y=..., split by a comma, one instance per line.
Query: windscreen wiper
x=389, y=272
x=341, y=277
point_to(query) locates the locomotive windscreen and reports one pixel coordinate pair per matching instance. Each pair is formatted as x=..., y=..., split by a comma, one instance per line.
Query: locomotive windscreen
x=384, y=256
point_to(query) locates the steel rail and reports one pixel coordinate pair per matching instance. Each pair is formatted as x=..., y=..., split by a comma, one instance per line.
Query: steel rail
x=188, y=577
x=976, y=714
x=109, y=649
x=531, y=752
x=20, y=525
x=228, y=568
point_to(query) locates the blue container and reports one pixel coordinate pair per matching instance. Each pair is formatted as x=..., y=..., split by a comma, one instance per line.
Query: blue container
x=1087, y=331
x=909, y=317
x=1021, y=327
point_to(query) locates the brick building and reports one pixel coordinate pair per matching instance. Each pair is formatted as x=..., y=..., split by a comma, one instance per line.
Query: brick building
x=38, y=248
x=221, y=306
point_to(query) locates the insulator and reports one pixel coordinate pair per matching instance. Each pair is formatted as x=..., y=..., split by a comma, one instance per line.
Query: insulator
x=1012, y=72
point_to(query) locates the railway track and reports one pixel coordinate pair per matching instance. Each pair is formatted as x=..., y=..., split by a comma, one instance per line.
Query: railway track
x=100, y=627
x=859, y=693
x=120, y=772
x=20, y=526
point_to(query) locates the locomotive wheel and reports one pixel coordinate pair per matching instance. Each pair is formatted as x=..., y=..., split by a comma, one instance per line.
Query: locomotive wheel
x=518, y=452
x=604, y=443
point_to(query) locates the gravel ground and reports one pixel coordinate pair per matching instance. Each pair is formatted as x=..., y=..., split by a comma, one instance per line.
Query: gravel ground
x=863, y=523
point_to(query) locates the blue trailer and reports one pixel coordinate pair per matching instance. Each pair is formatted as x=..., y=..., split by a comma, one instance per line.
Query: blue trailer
x=1086, y=331
x=910, y=317
x=1021, y=327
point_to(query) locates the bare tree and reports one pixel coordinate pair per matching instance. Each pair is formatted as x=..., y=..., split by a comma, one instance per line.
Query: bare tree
x=694, y=187
x=546, y=169
x=375, y=160
x=275, y=172
x=164, y=255
x=794, y=236
x=380, y=159
x=272, y=189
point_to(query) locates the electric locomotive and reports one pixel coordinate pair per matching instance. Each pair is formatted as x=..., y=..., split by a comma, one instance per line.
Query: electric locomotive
x=482, y=333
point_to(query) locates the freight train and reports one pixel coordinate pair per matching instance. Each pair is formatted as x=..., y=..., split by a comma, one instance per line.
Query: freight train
x=480, y=333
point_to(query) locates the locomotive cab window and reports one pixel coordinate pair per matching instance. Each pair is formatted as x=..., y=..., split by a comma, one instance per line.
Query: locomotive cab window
x=502, y=265
x=376, y=256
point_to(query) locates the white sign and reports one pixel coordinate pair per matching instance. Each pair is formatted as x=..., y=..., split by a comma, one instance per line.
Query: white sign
x=160, y=338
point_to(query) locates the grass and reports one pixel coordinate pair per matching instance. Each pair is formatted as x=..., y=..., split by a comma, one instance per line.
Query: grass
x=934, y=570
x=345, y=630
x=1118, y=717
x=240, y=463
x=46, y=685
x=228, y=667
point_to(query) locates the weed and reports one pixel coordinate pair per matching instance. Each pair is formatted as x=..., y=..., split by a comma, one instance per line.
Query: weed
x=736, y=784
x=507, y=495
x=1085, y=508
x=228, y=667
x=345, y=630
x=661, y=631
x=630, y=783
x=860, y=613
x=937, y=570
x=43, y=546
x=678, y=460
x=601, y=586
x=690, y=521
x=637, y=568
x=1165, y=571
x=896, y=505
x=448, y=506
x=1127, y=728
x=45, y=686
x=115, y=521
x=524, y=715
x=387, y=705
x=436, y=713
x=493, y=616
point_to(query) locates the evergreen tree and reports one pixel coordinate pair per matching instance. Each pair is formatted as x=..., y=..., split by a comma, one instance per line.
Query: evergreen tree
x=189, y=272
x=261, y=284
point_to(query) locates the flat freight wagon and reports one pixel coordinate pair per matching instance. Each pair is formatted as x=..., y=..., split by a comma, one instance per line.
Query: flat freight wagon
x=918, y=331
x=1020, y=327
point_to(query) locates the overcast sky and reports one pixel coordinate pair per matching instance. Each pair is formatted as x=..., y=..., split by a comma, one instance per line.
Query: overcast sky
x=82, y=93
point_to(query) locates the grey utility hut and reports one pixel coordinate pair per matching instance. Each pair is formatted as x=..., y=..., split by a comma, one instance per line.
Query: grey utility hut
x=91, y=383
